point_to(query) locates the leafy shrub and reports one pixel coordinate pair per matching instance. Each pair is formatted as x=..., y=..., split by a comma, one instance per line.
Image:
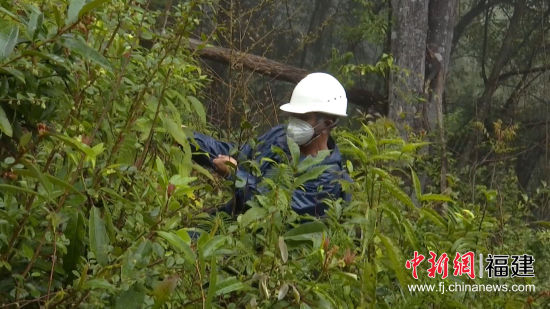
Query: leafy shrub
x=101, y=205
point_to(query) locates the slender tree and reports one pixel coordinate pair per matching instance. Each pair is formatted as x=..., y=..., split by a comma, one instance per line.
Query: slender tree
x=441, y=20
x=408, y=46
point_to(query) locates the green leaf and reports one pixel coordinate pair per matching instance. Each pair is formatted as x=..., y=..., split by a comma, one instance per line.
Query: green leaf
x=391, y=141
x=210, y=247
x=252, y=215
x=75, y=233
x=98, y=238
x=175, y=131
x=393, y=256
x=5, y=125
x=184, y=235
x=435, y=197
x=370, y=223
x=380, y=172
x=228, y=285
x=416, y=184
x=7, y=44
x=409, y=234
x=310, y=232
x=180, y=136
x=433, y=216
x=51, y=57
x=392, y=155
x=349, y=166
x=164, y=289
x=282, y=292
x=35, y=22
x=115, y=195
x=307, y=228
x=134, y=297
x=213, y=282
x=310, y=161
x=180, y=180
x=313, y=173
x=201, y=170
x=398, y=193
x=34, y=171
x=372, y=143
x=199, y=109
x=411, y=147
x=99, y=284
x=283, y=248
x=294, y=151
x=90, y=6
x=15, y=73
x=138, y=256
x=178, y=244
x=61, y=183
x=85, y=149
x=161, y=170
x=77, y=45
x=10, y=14
x=74, y=8
x=17, y=189
x=545, y=224
x=25, y=139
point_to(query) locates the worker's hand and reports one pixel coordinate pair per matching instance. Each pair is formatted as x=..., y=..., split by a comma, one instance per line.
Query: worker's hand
x=221, y=166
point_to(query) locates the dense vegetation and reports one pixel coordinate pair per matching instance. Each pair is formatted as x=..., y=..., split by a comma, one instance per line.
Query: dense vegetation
x=102, y=206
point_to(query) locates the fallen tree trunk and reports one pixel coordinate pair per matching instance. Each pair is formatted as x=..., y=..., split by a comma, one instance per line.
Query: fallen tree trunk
x=373, y=102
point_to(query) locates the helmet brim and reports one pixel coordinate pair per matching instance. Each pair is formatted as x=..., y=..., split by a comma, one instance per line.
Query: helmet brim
x=292, y=108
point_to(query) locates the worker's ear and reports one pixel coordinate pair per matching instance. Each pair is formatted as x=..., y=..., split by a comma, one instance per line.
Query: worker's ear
x=330, y=122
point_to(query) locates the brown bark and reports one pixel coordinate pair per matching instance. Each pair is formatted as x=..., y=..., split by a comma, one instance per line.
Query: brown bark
x=374, y=102
x=441, y=20
x=262, y=65
x=408, y=48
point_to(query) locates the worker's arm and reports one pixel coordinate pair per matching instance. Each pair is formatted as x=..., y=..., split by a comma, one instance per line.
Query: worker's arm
x=208, y=151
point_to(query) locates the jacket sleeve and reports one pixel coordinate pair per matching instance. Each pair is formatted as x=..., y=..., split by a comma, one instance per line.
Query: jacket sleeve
x=206, y=148
x=310, y=199
x=247, y=183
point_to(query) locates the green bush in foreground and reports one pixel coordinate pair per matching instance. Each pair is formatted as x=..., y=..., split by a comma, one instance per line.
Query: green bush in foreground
x=99, y=195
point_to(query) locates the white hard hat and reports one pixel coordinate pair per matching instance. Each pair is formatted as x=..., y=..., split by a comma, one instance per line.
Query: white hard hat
x=318, y=92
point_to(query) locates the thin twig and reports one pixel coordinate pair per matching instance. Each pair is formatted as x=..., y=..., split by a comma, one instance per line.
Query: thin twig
x=200, y=284
x=54, y=259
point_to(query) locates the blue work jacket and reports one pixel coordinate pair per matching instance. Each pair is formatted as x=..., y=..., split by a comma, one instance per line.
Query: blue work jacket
x=306, y=201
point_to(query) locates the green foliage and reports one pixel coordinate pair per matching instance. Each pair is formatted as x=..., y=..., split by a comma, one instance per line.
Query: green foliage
x=84, y=216
x=101, y=205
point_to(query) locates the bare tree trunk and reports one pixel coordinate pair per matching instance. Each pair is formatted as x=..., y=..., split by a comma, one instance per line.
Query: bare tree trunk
x=408, y=48
x=441, y=20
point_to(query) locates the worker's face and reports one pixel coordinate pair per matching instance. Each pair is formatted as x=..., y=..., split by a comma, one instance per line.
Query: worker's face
x=319, y=122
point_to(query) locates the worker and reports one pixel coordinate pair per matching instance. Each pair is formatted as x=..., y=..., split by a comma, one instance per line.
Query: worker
x=315, y=106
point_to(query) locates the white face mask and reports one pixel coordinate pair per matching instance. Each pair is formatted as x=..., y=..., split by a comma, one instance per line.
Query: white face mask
x=299, y=131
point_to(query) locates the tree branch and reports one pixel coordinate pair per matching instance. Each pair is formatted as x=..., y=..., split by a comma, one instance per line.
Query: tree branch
x=471, y=15
x=521, y=72
x=374, y=102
